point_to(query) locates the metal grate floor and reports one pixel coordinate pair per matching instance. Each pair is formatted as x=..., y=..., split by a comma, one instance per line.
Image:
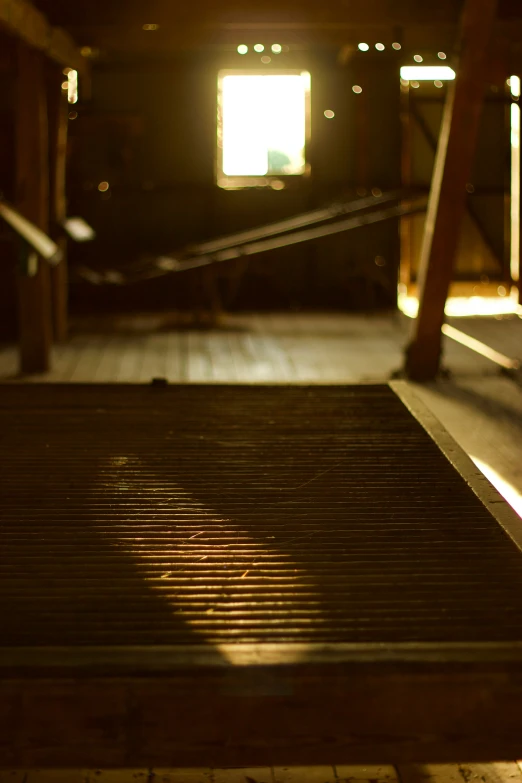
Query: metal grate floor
x=135, y=515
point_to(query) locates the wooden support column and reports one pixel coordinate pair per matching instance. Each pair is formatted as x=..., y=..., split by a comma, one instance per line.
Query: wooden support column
x=447, y=202
x=32, y=199
x=58, y=109
x=405, y=223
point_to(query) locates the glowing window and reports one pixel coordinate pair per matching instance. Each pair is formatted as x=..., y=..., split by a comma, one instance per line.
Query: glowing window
x=263, y=126
x=427, y=72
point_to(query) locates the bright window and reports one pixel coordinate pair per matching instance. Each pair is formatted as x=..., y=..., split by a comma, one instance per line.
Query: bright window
x=263, y=123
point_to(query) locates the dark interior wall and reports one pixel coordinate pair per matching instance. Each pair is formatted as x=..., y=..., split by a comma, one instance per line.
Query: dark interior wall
x=150, y=131
x=483, y=247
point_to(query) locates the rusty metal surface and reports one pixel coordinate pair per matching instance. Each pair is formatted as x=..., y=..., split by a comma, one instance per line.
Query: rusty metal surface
x=212, y=514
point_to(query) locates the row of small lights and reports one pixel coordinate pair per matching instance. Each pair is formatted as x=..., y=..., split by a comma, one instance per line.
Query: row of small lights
x=364, y=47
x=260, y=48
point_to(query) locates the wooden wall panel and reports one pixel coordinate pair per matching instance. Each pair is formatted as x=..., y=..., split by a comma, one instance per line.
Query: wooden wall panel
x=32, y=197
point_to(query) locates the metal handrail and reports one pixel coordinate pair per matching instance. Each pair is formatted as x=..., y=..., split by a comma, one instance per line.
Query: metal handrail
x=173, y=264
x=31, y=234
x=335, y=210
x=273, y=236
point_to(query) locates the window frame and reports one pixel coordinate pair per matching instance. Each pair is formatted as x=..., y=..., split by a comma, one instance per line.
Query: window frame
x=274, y=181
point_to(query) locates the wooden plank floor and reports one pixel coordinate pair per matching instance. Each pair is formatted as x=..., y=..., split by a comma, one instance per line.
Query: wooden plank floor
x=481, y=409
x=505, y=772
x=254, y=348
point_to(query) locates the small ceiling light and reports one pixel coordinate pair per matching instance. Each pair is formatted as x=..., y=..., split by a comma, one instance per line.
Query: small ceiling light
x=150, y=27
x=418, y=58
x=441, y=55
x=277, y=184
x=437, y=83
x=380, y=47
x=277, y=48
x=329, y=114
x=266, y=59
x=396, y=46
x=73, y=115
x=363, y=47
x=242, y=49
x=414, y=84
x=86, y=51
x=103, y=187
x=65, y=85
x=259, y=48
x=357, y=89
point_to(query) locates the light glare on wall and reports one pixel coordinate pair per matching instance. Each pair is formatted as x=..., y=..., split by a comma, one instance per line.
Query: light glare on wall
x=427, y=72
x=72, y=86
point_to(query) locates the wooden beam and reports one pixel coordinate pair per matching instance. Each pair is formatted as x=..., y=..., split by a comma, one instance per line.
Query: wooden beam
x=32, y=195
x=406, y=224
x=57, y=109
x=20, y=18
x=419, y=32
x=447, y=202
x=31, y=234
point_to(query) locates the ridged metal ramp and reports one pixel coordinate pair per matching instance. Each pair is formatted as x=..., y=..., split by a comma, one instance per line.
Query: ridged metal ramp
x=233, y=575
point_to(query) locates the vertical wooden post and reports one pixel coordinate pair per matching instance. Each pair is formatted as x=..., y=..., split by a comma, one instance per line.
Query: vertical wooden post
x=447, y=202
x=32, y=198
x=57, y=108
x=405, y=223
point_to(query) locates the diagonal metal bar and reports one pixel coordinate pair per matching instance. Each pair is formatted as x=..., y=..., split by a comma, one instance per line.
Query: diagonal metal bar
x=293, y=223
x=307, y=235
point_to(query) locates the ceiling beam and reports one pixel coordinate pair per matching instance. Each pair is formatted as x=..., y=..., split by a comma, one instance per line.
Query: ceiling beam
x=124, y=40
x=20, y=18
